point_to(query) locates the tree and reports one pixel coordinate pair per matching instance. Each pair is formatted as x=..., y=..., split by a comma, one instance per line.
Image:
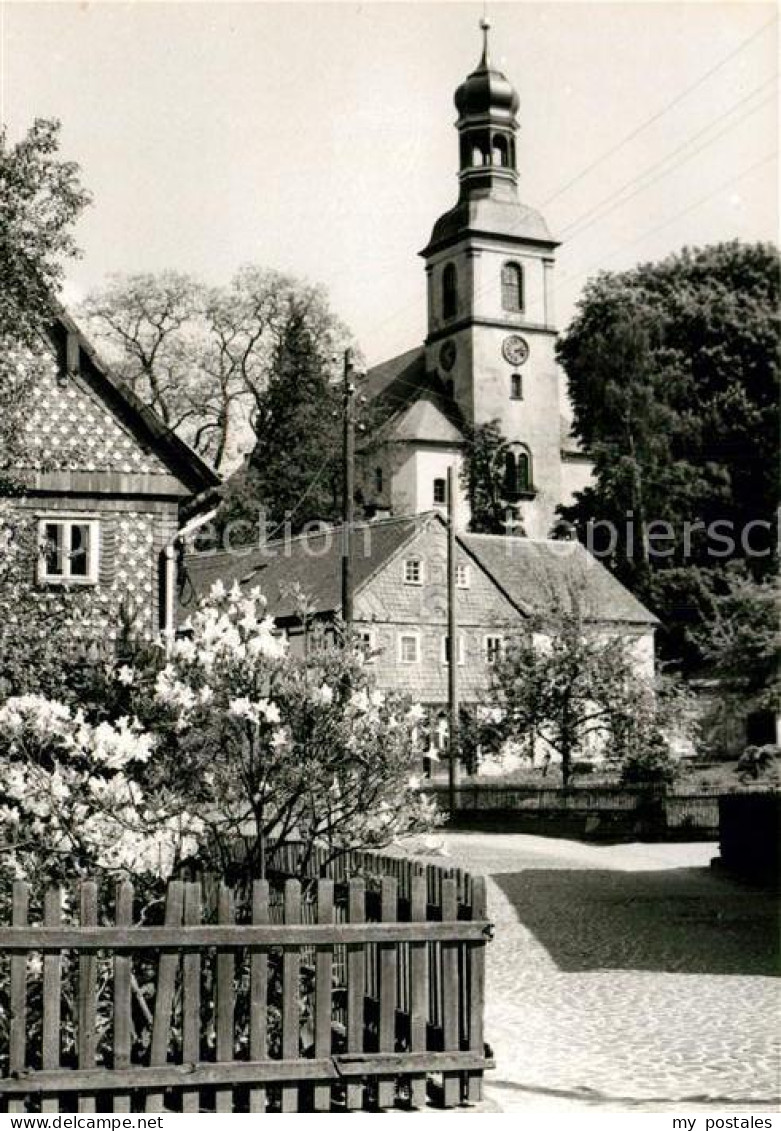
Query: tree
x=295, y=468
x=201, y=356
x=673, y=376
x=563, y=683
x=41, y=198
x=740, y=638
x=481, y=479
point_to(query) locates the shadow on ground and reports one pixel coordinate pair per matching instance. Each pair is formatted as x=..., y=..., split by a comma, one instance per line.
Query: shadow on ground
x=683, y=920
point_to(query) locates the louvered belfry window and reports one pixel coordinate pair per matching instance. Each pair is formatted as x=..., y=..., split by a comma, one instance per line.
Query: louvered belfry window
x=512, y=287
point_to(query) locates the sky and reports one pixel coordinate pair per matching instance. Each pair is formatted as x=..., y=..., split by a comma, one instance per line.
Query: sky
x=317, y=138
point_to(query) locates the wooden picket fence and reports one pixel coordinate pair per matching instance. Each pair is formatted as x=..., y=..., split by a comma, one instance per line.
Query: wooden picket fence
x=315, y=996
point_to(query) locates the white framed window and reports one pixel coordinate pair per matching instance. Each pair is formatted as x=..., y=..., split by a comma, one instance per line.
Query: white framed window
x=409, y=648
x=494, y=649
x=69, y=550
x=460, y=650
x=367, y=644
x=463, y=575
x=413, y=571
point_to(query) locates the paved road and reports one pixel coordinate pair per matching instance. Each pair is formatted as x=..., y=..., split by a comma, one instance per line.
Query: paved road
x=626, y=977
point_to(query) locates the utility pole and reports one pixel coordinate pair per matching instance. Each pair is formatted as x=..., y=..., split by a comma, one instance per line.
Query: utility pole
x=452, y=635
x=348, y=486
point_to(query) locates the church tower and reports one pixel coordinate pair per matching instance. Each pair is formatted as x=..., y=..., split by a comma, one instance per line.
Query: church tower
x=489, y=352
x=491, y=331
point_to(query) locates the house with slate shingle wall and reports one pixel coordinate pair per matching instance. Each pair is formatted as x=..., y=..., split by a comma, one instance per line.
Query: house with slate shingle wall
x=400, y=596
x=105, y=484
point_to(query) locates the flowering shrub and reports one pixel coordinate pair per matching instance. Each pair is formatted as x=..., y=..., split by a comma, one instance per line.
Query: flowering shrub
x=71, y=798
x=225, y=735
x=275, y=747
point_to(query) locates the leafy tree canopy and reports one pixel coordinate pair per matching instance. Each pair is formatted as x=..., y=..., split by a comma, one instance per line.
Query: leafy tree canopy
x=566, y=686
x=204, y=357
x=674, y=381
x=41, y=197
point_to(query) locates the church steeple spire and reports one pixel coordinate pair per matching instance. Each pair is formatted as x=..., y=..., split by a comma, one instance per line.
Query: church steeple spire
x=485, y=27
x=487, y=105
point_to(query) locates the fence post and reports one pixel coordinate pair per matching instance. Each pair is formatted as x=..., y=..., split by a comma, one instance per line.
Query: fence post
x=476, y=989
x=323, y=988
x=418, y=966
x=291, y=974
x=88, y=991
x=191, y=997
x=164, y=998
x=52, y=993
x=122, y=992
x=17, y=1053
x=223, y=1097
x=388, y=956
x=258, y=1021
x=451, y=1081
x=356, y=984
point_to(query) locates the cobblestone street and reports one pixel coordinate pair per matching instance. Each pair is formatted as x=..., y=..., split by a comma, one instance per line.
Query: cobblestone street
x=625, y=977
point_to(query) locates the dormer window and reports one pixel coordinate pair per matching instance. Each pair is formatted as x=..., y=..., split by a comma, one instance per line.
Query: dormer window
x=449, y=291
x=512, y=287
x=413, y=571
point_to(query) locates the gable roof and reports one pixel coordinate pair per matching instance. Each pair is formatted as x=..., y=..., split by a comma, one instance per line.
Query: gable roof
x=540, y=575
x=312, y=562
x=196, y=474
x=536, y=576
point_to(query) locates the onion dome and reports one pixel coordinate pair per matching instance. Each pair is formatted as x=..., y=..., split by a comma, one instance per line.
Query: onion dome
x=486, y=90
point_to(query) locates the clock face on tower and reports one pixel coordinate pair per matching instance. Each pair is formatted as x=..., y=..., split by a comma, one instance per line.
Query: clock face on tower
x=447, y=355
x=515, y=349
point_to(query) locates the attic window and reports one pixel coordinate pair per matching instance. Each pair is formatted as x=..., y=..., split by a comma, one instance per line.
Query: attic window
x=462, y=576
x=413, y=571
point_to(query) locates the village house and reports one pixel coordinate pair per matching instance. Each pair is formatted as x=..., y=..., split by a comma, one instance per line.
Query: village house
x=400, y=597
x=107, y=486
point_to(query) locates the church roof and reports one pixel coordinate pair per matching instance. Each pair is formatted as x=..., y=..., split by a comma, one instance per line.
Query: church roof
x=394, y=382
x=410, y=403
x=489, y=214
x=540, y=575
x=425, y=419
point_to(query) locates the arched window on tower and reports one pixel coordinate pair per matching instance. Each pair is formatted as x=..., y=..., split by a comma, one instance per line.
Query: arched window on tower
x=512, y=287
x=517, y=473
x=499, y=151
x=449, y=291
